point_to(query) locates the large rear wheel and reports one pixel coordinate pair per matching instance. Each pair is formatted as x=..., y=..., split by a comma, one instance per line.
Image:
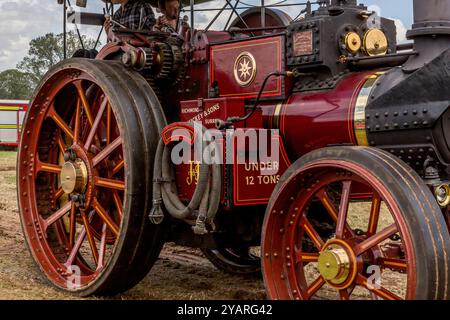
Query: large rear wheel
x=390, y=240
x=84, y=176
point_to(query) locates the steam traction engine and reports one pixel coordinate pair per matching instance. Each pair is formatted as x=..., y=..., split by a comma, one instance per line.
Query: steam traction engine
x=355, y=206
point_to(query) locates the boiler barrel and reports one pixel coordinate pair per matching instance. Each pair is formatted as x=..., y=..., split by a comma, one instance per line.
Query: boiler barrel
x=312, y=120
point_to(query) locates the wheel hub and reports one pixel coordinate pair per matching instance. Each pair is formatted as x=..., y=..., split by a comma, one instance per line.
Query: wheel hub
x=334, y=264
x=74, y=176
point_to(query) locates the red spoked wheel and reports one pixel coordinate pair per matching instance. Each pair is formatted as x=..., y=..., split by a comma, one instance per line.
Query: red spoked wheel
x=389, y=243
x=83, y=178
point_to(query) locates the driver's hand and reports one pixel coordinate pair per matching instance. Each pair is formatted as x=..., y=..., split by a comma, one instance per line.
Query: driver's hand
x=163, y=20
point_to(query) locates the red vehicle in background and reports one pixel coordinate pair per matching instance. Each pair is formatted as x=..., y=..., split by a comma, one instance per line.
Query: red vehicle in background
x=12, y=113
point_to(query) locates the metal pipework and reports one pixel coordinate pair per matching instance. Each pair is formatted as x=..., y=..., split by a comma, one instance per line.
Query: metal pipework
x=430, y=31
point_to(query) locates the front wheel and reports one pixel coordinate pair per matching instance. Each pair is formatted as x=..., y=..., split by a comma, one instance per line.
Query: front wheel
x=390, y=239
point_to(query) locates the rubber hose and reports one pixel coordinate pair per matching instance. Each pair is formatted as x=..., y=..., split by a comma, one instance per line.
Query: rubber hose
x=206, y=198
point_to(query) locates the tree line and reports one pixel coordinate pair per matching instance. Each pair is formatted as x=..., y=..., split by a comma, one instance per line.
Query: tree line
x=44, y=52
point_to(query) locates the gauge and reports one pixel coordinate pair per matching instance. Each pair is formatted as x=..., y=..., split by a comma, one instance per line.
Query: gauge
x=353, y=42
x=375, y=42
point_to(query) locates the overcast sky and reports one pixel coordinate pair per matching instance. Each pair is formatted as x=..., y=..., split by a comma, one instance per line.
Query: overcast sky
x=23, y=20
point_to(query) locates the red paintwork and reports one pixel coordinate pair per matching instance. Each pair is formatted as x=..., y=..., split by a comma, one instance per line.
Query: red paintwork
x=268, y=53
x=196, y=84
x=313, y=120
x=307, y=121
x=250, y=186
x=207, y=111
x=178, y=131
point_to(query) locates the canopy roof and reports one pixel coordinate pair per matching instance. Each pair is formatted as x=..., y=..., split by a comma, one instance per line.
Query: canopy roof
x=154, y=3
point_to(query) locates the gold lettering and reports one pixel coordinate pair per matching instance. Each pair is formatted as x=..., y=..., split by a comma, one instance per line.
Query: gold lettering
x=194, y=172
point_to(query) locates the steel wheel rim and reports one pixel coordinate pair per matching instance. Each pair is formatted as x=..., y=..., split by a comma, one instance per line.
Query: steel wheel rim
x=280, y=277
x=92, y=113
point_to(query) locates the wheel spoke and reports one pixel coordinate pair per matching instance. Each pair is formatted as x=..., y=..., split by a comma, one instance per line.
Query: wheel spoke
x=107, y=151
x=95, y=125
x=90, y=237
x=57, y=215
x=82, y=96
x=72, y=225
x=77, y=129
x=101, y=256
x=304, y=257
x=343, y=209
x=328, y=204
x=76, y=248
x=394, y=264
x=60, y=122
x=61, y=145
x=109, y=183
x=105, y=217
x=47, y=167
x=374, y=215
x=119, y=166
x=375, y=239
x=331, y=209
x=379, y=291
x=118, y=203
x=108, y=124
x=314, y=287
x=312, y=233
x=344, y=294
x=58, y=194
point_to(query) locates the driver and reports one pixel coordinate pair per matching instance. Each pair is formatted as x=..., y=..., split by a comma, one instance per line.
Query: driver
x=169, y=20
x=134, y=15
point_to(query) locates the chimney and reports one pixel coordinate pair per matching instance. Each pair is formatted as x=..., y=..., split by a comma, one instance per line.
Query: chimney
x=430, y=31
